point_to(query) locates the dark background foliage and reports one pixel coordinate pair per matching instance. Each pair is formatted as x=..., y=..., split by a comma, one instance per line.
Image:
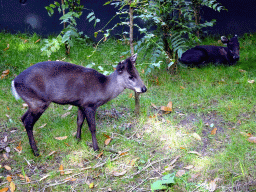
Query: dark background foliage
x=31, y=16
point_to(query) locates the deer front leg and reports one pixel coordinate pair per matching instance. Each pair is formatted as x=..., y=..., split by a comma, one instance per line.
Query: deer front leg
x=90, y=117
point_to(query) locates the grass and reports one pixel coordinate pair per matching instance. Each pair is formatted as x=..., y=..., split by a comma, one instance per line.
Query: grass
x=203, y=99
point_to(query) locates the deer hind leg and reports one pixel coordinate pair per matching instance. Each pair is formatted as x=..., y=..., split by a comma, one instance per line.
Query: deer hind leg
x=29, y=119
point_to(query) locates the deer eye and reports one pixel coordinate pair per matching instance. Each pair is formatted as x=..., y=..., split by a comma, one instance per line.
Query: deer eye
x=131, y=77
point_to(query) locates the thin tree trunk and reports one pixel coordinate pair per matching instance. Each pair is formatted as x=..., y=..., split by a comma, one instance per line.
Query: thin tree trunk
x=137, y=95
x=64, y=26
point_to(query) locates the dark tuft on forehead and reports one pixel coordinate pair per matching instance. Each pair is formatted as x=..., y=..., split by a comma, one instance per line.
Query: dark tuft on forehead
x=130, y=67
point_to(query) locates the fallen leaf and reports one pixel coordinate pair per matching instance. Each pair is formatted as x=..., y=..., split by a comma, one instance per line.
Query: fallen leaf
x=101, y=153
x=196, y=136
x=251, y=81
x=241, y=70
x=42, y=126
x=70, y=107
x=50, y=153
x=91, y=185
x=107, y=141
x=37, y=40
x=7, y=168
x=61, y=170
x=154, y=116
x=61, y=138
x=189, y=167
x=67, y=144
x=65, y=115
x=6, y=72
x=153, y=105
x=67, y=172
x=7, y=47
x=212, y=186
x=5, y=139
x=21, y=177
x=19, y=147
x=181, y=87
x=174, y=160
x=195, y=152
x=27, y=179
x=5, y=156
x=122, y=153
x=252, y=139
x=166, y=109
x=12, y=187
x=70, y=179
x=130, y=95
x=180, y=173
x=142, y=71
x=4, y=189
x=169, y=105
x=132, y=162
x=105, y=135
x=115, y=173
x=169, y=168
x=9, y=178
x=246, y=134
x=213, y=132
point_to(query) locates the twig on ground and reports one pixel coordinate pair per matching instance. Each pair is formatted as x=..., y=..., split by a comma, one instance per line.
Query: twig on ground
x=149, y=166
x=138, y=185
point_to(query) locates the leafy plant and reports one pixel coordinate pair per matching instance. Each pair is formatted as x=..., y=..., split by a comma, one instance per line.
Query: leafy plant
x=164, y=183
x=71, y=10
x=168, y=25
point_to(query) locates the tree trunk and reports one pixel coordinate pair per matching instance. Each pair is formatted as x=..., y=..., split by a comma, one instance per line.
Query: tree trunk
x=137, y=95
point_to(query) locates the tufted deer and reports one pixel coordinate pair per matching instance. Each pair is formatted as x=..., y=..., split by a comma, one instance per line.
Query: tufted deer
x=201, y=55
x=66, y=83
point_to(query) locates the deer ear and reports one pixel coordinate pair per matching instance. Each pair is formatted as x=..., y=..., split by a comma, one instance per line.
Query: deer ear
x=120, y=67
x=133, y=58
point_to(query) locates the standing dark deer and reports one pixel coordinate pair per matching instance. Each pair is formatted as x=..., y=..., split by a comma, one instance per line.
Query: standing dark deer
x=66, y=83
x=201, y=55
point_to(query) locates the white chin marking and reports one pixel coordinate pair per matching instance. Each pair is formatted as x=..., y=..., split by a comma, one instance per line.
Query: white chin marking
x=138, y=89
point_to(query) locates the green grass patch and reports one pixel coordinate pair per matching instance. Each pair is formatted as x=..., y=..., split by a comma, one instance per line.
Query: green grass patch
x=143, y=148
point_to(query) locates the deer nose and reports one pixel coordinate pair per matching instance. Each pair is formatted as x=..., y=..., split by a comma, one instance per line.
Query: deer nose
x=143, y=89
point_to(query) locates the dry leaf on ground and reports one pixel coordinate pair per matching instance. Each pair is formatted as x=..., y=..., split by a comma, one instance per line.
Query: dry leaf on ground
x=65, y=115
x=19, y=147
x=212, y=186
x=195, y=152
x=4, y=189
x=168, y=108
x=107, y=141
x=213, y=132
x=9, y=178
x=252, y=139
x=91, y=185
x=180, y=173
x=101, y=153
x=246, y=134
x=61, y=138
x=153, y=105
x=196, y=136
x=189, y=167
x=12, y=187
x=115, y=173
x=61, y=170
x=42, y=126
x=7, y=167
